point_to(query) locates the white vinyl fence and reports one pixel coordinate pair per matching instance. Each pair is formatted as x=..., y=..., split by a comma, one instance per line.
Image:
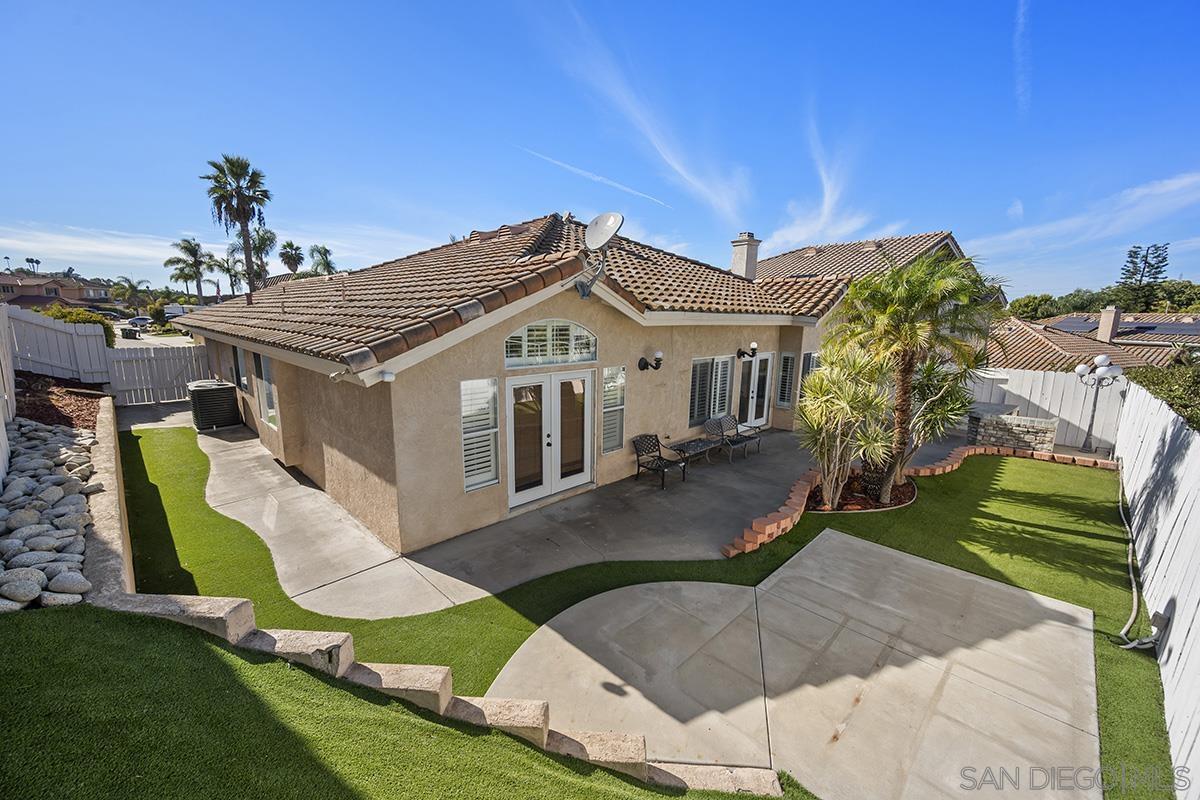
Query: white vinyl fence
x=59, y=349
x=155, y=374
x=1057, y=394
x=1160, y=470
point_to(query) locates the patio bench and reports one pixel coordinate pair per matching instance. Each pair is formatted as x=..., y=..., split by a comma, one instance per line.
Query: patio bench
x=726, y=432
x=650, y=457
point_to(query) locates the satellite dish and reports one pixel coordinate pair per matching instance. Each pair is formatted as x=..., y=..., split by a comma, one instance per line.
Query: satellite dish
x=602, y=229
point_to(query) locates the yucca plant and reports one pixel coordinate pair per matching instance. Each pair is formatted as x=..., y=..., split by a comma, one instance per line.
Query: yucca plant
x=840, y=417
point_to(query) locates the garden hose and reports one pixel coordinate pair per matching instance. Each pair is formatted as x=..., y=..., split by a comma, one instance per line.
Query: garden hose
x=1148, y=641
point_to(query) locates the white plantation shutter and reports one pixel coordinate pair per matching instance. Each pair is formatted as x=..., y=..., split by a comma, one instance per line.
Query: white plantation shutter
x=787, y=380
x=722, y=370
x=613, y=394
x=480, y=432
x=700, y=398
x=549, y=341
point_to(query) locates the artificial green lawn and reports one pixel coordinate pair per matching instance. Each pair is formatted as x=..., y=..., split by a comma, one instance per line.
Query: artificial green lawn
x=99, y=705
x=1045, y=527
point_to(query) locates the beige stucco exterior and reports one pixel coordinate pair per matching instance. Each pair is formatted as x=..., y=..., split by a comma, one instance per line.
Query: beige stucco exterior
x=392, y=455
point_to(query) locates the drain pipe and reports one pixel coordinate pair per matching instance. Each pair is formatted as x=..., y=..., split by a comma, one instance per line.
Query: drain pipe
x=1157, y=621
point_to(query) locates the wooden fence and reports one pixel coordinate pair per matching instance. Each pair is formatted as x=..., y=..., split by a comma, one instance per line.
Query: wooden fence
x=155, y=374
x=1057, y=394
x=1160, y=470
x=59, y=349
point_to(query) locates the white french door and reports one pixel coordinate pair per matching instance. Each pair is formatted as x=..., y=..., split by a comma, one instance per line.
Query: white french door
x=754, y=393
x=549, y=434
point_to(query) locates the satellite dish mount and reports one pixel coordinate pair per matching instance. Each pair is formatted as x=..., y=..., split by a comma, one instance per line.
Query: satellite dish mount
x=600, y=233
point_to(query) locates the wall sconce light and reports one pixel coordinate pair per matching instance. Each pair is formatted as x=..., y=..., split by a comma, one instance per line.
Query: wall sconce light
x=752, y=352
x=644, y=364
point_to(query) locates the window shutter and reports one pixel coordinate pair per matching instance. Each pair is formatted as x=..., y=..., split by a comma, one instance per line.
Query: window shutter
x=613, y=398
x=480, y=432
x=808, y=362
x=722, y=370
x=701, y=393
x=787, y=380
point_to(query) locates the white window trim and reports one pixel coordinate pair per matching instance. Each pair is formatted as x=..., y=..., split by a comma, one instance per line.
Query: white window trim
x=606, y=410
x=267, y=390
x=525, y=361
x=493, y=433
x=712, y=388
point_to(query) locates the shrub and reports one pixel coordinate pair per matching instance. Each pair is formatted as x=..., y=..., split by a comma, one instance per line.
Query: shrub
x=82, y=316
x=1178, y=387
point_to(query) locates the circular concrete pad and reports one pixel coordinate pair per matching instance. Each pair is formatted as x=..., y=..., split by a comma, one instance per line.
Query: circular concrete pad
x=677, y=662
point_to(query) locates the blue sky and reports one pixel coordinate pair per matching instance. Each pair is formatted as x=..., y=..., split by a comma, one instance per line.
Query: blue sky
x=1048, y=136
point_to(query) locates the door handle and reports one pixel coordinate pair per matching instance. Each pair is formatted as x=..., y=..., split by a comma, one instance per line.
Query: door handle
x=548, y=444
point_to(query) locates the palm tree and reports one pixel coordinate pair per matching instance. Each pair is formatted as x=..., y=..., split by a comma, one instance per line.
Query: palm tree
x=292, y=255
x=216, y=284
x=130, y=291
x=320, y=260
x=938, y=306
x=262, y=243
x=231, y=267
x=238, y=194
x=189, y=267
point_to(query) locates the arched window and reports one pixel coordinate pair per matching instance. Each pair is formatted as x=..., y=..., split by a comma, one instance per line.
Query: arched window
x=549, y=341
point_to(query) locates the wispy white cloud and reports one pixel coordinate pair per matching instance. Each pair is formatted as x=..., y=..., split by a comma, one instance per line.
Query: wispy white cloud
x=1016, y=211
x=1022, y=65
x=828, y=220
x=722, y=188
x=1186, y=245
x=638, y=232
x=592, y=176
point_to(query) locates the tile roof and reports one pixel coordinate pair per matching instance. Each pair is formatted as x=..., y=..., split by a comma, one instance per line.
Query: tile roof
x=852, y=259
x=1140, y=327
x=275, y=280
x=1018, y=344
x=367, y=316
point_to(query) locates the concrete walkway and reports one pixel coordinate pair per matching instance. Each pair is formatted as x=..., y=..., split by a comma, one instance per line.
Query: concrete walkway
x=861, y=670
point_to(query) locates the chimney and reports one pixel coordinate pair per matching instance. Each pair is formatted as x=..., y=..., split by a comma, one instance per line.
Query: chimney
x=1110, y=321
x=745, y=256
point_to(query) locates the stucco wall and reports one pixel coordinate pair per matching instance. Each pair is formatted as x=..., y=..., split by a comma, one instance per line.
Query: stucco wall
x=433, y=503
x=339, y=435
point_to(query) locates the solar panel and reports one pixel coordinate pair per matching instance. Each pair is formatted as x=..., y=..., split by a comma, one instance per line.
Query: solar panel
x=1173, y=328
x=1076, y=325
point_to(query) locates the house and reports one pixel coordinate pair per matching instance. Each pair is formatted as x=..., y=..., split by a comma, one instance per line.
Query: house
x=31, y=291
x=452, y=388
x=1150, y=329
x=1018, y=344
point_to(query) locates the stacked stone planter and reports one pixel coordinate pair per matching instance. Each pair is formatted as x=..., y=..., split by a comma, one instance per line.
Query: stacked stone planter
x=44, y=519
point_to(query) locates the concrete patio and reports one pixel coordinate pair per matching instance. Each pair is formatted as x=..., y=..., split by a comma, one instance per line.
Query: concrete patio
x=861, y=670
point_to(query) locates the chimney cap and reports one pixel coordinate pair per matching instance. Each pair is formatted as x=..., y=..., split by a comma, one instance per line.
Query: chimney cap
x=745, y=236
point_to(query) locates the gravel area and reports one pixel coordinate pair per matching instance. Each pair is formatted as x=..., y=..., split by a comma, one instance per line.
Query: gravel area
x=57, y=401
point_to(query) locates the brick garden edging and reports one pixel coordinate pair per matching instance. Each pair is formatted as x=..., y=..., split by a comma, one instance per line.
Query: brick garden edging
x=770, y=527
x=110, y=568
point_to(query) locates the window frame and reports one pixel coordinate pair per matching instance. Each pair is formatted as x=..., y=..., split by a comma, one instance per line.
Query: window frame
x=711, y=402
x=266, y=398
x=616, y=409
x=239, y=376
x=808, y=362
x=575, y=332
x=492, y=433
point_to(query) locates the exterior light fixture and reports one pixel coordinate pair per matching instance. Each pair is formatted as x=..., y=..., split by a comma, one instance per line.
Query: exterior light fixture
x=751, y=353
x=644, y=364
x=1100, y=373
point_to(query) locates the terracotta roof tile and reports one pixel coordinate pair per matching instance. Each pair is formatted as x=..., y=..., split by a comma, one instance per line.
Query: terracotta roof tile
x=1017, y=344
x=1134, y=326
x=852, y=259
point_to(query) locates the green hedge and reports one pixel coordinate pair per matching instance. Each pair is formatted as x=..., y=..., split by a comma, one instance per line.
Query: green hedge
x=1178, y=387
x=82, y=315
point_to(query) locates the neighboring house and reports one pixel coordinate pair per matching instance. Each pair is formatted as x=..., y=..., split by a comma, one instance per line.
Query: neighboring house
x=31, y=291
x=1018, y=344
x=1111, y=325
x=443, y=391
x=275, y=280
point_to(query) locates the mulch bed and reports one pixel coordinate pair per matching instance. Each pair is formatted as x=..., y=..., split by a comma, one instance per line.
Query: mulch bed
x=854, y=498
x=57, y=401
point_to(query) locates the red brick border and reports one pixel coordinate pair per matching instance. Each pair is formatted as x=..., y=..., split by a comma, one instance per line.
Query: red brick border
x=775, y=524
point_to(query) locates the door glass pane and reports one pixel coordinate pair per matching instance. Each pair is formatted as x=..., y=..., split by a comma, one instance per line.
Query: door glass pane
x=571, y=417
x=761, y=367
x=744, y=392
x=527, y=441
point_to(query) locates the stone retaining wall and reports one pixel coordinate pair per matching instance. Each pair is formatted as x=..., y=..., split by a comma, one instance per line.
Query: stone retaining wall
x=110, y=568
x=1009, y=430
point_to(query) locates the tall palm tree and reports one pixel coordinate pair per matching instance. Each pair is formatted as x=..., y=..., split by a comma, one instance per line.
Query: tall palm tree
x=231, y=267
x=130, y=291
x=292, y=255
x=320, y=260
x=190, y=265
x=938, y=306
x=262, y=243
x=238, y=194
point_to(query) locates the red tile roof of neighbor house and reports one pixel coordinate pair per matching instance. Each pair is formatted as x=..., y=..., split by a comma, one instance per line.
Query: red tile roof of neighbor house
x=853, y=259
x=1017, y=344
x=1137, y=326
